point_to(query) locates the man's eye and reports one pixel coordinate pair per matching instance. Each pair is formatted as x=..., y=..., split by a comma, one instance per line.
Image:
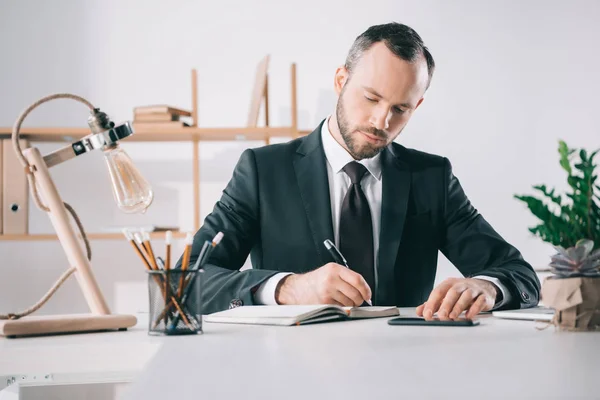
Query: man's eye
x=398, y=110
x=370, y=99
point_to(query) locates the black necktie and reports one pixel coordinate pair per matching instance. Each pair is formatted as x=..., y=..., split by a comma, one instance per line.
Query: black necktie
x=356, y=229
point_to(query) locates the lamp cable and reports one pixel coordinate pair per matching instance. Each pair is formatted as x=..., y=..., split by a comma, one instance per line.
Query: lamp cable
x=29, y=170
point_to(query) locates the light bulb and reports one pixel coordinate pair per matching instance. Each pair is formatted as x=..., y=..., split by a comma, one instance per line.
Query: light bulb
x=132, y=192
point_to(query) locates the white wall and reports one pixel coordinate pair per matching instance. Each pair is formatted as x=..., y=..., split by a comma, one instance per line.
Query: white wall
x=512, y=78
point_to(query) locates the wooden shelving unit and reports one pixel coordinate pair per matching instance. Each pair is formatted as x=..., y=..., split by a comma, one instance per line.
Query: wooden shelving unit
x=91, y=236
x=192, y=134
x=187, y=134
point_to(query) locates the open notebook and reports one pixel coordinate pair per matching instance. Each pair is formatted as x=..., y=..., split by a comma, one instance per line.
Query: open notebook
x=297, y=315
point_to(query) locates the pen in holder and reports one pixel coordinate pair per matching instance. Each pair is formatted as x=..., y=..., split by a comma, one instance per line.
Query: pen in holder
x=171, y=314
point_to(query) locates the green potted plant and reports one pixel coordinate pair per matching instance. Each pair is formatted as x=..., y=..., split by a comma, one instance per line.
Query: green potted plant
x=571, y=223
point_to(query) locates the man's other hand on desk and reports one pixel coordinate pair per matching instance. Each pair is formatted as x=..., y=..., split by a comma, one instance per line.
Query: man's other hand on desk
x=330, y=284
x=455, y=295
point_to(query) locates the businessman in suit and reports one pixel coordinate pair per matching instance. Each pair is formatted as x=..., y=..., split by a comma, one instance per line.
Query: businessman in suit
x=389, y=209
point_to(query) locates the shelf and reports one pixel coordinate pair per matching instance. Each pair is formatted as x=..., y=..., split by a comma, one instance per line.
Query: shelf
x=91, y=236
x=159, y=134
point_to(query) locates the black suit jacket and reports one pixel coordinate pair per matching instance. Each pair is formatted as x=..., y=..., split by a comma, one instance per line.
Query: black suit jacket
x=276, y=208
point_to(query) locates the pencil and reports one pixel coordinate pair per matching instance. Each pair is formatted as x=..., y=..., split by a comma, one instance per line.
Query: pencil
x=131, y=240
x=189, y=239
x=168, y=240
x=142, y=248
x=146, y=238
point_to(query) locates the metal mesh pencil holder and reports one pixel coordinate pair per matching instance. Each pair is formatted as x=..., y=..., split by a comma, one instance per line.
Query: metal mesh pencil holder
x=175, y=302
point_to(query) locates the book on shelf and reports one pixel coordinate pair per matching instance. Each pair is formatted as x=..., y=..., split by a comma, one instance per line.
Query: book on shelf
x=162, y=117
x=288, y=315
x=168, y=124
x=162, y=109
x=137, y=228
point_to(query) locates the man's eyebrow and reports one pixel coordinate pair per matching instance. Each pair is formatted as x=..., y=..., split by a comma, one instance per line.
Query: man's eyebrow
x=370, y=89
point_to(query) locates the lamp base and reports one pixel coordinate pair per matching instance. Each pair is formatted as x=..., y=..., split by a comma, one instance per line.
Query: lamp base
x=68, y=323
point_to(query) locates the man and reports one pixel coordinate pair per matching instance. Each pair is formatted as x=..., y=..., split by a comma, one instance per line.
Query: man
x=387, y=208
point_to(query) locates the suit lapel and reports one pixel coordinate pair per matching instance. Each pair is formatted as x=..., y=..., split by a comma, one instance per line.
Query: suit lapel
x=311, y=173
x=394, y=203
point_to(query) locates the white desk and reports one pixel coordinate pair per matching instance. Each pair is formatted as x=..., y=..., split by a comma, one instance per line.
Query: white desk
x=350, y=360
x=76, y=359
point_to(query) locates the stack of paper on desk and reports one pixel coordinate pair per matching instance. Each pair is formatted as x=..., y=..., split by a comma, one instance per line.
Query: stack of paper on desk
x=297, y=315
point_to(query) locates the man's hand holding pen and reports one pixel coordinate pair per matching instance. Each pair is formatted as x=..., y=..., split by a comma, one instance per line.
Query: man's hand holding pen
x=329, y=284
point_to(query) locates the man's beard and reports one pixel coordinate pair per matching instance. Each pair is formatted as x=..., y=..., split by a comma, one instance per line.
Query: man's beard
x=358, y=151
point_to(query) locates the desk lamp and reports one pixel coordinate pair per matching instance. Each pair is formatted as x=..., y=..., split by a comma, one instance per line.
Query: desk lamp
x=132, y=194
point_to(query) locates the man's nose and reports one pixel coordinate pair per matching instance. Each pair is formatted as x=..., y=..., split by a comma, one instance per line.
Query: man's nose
x=380, y=118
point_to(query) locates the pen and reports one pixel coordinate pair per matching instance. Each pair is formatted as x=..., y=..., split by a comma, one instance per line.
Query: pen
x=167, y=267
x=205, y=253
x=167, y=296
x=202, y=258
x=338, y=258
x=189, y=239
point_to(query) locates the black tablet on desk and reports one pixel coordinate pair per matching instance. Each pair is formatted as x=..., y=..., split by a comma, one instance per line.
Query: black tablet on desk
x=434, y=322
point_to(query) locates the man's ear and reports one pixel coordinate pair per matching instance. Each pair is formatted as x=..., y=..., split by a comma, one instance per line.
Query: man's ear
x=341, y=77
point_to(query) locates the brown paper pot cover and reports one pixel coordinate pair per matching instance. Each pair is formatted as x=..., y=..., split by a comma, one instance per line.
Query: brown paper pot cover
x=576, y=301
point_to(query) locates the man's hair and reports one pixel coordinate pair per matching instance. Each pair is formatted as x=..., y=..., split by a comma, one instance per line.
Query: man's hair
x=402, y=40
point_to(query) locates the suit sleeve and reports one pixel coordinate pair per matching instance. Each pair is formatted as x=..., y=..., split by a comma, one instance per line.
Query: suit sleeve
x=475, y=248
x=236, y=214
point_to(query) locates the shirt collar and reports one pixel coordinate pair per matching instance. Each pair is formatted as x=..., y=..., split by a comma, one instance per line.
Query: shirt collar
x=338, y=157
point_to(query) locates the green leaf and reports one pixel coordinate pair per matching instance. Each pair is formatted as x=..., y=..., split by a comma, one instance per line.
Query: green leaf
x=564, y=163
x=550, y=194
x=540, y=187
x=562, y=147
x=583, y=155
x=564, y=152
x=573, y=181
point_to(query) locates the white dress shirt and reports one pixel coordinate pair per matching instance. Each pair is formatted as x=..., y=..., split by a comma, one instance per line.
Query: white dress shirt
x=339, y=183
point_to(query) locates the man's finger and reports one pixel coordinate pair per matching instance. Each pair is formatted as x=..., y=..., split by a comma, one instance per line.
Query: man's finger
x=465, y=300
x=342, y=299
x=350, y=291
x=452, y=296
x=357, y=281
x=476, y=307
x=435, y=299
x=420, y=310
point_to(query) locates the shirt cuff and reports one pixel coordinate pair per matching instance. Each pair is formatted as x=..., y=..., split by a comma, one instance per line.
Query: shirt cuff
x=505, y=293
x=265, y=294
